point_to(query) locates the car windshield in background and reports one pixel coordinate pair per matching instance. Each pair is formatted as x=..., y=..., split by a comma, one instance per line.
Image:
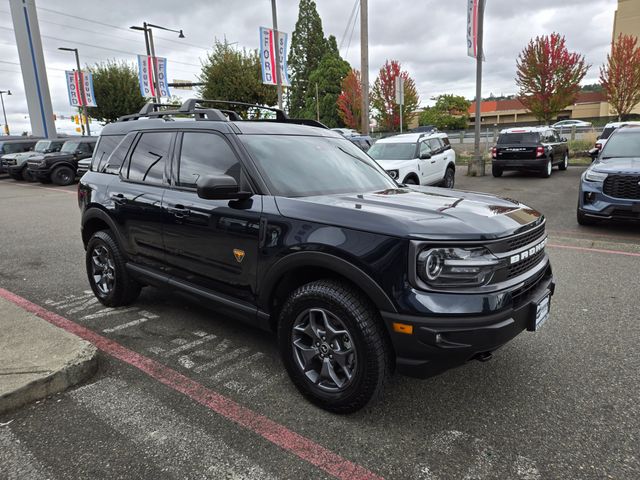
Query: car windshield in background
x=606, y=133
x=298, y=166
x=42, y=146
x=524, y=137
x=70, y=147
x=393, y=151
x=623, y=144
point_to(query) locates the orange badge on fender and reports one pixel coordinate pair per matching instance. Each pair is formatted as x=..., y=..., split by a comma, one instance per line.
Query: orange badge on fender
x=239, y=254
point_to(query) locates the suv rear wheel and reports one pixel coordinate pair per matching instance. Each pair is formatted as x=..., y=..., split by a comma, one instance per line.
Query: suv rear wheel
x=333, y=346
x=449, y=179
x=546, y=171
x=108, y=277
x=63, y=176
x=565, y=162
x=496, y=171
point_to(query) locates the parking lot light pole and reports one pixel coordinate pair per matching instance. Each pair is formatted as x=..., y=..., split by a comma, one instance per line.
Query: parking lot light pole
x=4, y=113
x=83, y=97
x=151, y=51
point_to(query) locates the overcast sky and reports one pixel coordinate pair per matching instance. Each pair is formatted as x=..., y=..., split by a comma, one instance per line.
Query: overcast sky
x=426, y=36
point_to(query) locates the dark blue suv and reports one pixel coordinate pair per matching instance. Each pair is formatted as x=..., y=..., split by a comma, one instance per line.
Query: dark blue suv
x=610, y=187
x=296, y=230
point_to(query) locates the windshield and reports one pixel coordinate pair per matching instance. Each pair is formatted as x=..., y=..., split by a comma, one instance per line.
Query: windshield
x=298, y=166
x=42, y=146
x=623, y=144
x=70, y=147
x=393, y=151
x=525, y=137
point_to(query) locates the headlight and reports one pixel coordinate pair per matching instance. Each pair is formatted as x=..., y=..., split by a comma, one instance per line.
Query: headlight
x=42, y=164
x=592, y=176
x=393, y=174
x=456, y=267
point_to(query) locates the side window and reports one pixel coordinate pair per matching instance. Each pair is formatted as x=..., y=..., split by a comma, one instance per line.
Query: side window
x=114, y=161
x=205, y=153
x=445, y=141
x=435, y=145
x=425, y=148
x=102, y=150
x=148, y=157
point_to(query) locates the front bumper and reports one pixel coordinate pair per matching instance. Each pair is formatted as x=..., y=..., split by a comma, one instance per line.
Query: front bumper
x=39, y=172
x=441, y=343
x=595, y=204
x=14, y=169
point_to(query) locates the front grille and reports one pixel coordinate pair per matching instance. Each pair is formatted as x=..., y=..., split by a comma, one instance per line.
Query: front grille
x=623, y=186
x=525, y=238
x=524, y=265
x=519, y=294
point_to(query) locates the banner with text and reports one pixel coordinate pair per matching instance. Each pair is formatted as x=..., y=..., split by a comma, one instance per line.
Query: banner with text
x=268, y=56
x=77, y=83
x=145, y=76
x=473, y=7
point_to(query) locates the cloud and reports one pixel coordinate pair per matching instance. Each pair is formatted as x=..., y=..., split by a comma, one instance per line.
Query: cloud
x=427, y=37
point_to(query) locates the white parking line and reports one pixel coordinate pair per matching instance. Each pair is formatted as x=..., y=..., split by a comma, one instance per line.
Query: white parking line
x=189, y=345
x=86, y=304
x=239, y=365
x=105, y=312
x=221, y=359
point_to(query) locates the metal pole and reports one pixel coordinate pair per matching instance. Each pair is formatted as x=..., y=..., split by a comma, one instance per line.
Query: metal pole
x=276, y=40
x=364, y=64
x=478, y=157
x=83, y=97
x=400, y=118
x=152, y=50
x=317, y=103
x=4, y=113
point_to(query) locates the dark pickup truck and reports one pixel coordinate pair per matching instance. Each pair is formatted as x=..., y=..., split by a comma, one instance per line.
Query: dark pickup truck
x=529, y=148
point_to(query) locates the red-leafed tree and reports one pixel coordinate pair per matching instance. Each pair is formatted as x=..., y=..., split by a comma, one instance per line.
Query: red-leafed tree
x=549, y=76
x=620, y=76
x=350, y=100
x=383, y=97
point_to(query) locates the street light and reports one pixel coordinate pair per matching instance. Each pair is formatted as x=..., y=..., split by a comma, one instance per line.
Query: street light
x=151, y=51
x=82, y=92
x=6, y=125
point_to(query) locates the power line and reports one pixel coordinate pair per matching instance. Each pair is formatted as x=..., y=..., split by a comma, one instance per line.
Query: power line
x=346, y=28
x=353, y=27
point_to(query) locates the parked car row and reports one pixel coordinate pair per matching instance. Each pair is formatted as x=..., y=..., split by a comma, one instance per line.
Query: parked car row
x=46, y=160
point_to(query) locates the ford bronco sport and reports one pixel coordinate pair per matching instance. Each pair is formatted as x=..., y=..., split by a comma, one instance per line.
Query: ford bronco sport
x=294, y=229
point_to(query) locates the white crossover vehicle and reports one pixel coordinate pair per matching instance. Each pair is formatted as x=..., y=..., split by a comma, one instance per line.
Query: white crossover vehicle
x=417, y=158
x=609, y=128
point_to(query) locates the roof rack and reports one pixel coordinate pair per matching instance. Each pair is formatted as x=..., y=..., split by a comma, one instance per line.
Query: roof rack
x=191, y=106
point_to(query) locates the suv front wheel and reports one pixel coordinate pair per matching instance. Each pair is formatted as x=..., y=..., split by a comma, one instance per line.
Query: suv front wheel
x=63, y=176
x=333, y=346
x=108, y=277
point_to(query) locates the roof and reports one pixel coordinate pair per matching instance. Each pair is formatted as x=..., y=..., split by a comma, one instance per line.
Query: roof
x=525, y=129
x=80, y=139
x=412, y=137
x=620, y=124
x=515, y=104
x=630, y=127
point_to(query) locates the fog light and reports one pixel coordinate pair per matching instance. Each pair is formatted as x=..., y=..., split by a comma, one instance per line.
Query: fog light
x=589, y=197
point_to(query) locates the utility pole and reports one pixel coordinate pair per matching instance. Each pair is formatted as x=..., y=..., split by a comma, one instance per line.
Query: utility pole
x=317, y=103
x=152, y=49
x=479, y=169
x=276, y=40
x=83, y=97
x=4, y=113
x=364, y=63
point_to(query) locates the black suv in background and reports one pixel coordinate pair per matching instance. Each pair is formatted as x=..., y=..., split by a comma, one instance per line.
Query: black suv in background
x=529, y=148
x=294, y=229
x=61, y=167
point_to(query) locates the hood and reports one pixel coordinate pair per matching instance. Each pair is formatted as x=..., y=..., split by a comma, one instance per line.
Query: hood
x=393, y=164
x=618, y=165
x=52, y=155
x=11, y=156
x=419, y=212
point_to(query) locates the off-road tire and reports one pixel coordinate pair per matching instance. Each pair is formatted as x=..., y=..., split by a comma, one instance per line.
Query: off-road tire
x=364, y=325
x=565, y=162
x=496, y=172
x=125, y=289
x=63, y=176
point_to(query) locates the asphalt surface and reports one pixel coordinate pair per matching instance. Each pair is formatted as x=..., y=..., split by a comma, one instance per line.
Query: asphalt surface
x=558, y=403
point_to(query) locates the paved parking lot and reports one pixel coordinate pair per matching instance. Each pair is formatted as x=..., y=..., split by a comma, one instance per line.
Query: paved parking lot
x=183, y=392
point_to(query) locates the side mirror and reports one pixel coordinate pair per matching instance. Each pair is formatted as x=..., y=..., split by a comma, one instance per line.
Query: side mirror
x=220, y=187
x=425, y=156
x=563, y=139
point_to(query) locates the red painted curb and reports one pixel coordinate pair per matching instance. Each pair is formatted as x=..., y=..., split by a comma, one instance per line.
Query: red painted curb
x=279, y=435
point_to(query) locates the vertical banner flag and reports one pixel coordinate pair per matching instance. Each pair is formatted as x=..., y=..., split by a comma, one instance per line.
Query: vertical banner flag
x=76, y=83
x=472, y=27
x=145, y=76
x=268, y=57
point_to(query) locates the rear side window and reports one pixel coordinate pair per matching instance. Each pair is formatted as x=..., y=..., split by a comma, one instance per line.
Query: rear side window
x=148, y=158
x=524, y=137
x=446, y=142
x=606, y=133
x=116, y=159
x=205, y=154
x=105, y=147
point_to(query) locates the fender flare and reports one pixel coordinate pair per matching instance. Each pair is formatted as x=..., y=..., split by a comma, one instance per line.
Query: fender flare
x=97, y=213
x=329, y=262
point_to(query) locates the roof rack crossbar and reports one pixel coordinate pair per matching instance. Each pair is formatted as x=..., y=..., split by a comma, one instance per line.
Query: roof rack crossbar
x=190, y=104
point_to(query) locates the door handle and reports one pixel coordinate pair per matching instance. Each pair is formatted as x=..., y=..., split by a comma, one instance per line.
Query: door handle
x=118, y=198
x=179, y=211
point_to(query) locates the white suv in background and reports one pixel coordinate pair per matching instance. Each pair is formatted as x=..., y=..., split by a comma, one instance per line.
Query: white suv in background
x=417, y=158
x=609, y=128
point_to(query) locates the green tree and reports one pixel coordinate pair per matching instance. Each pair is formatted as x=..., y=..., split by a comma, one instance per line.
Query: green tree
x=232, y=74
x=549, y=76
x=450, y=112
x=308, y=47
x=117, y=91
x=328, y=76
x=383, y=97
